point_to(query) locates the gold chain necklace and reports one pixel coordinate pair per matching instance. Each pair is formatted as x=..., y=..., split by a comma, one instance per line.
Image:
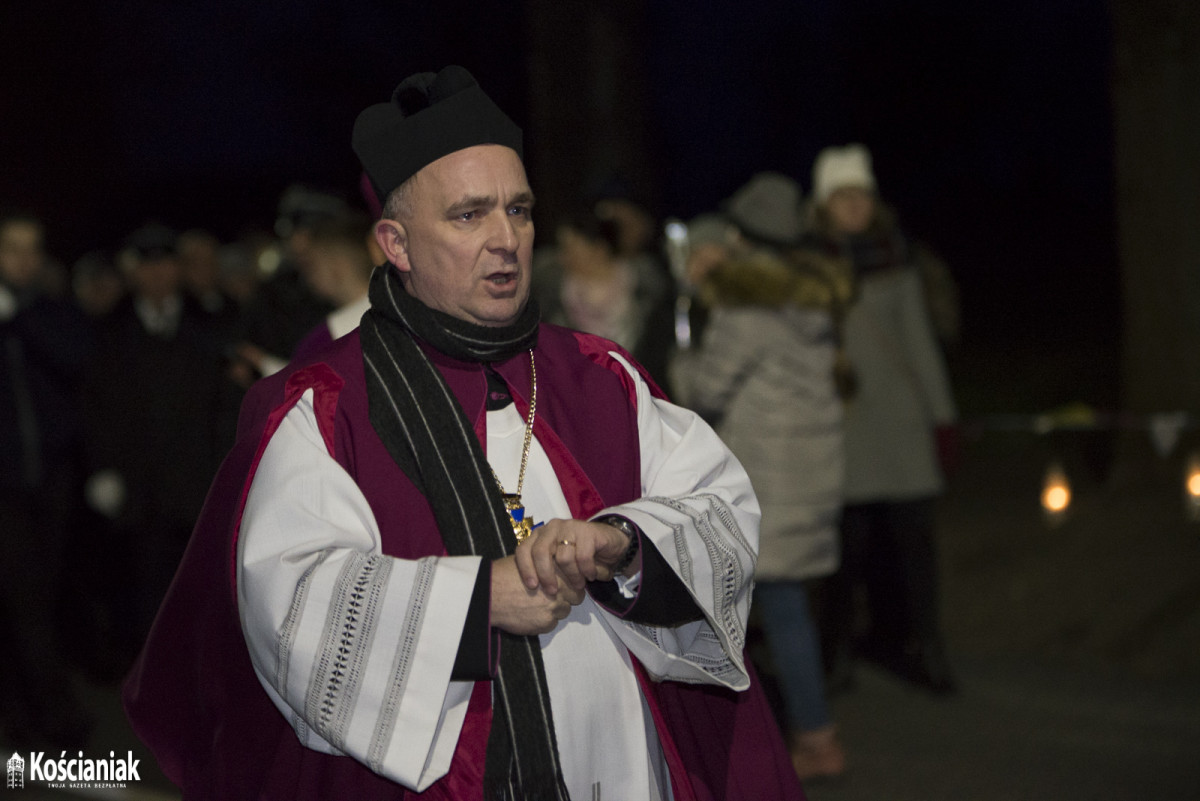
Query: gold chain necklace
x=522, y=525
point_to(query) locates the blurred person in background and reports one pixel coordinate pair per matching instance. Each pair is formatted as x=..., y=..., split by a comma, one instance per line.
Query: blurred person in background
x=764, y=372
x=638, y=238
x=900, y=434
x=44, y=344
x=96, y=284
x=153, y=444
x=596, y=290
x=239, y=265
x=199, y=259
x=585, y=283
x=342, y=253
x=89, y=593
x=636, y=228
x=283, y=309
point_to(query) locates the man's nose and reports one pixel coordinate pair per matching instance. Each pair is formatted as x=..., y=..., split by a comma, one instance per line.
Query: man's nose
x=503, y=234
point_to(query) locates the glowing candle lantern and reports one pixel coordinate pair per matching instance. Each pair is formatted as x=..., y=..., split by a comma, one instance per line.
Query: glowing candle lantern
x=1191, y=487
x=1056, y=493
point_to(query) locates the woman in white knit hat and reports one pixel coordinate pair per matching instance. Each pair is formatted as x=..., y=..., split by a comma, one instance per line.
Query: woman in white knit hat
x=899, y=432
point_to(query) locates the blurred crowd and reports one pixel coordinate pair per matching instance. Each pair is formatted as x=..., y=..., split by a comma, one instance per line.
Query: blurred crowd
x=121, y=378
x=811, y=330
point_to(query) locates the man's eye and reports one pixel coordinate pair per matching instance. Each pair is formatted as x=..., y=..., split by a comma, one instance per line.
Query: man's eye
x=466, y=216
x=519, y=211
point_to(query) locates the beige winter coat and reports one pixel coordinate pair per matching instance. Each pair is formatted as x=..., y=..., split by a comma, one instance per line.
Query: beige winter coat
x=903, y=391
x=764, y=371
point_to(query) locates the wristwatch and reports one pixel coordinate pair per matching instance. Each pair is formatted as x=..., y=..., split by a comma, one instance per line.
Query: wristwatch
x=631, y=531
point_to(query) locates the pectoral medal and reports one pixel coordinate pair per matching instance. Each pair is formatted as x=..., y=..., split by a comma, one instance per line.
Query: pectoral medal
x=522, y=525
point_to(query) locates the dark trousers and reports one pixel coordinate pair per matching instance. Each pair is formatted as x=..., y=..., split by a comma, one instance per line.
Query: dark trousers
x=33, y=530
x=888, y=551
x=37, y=697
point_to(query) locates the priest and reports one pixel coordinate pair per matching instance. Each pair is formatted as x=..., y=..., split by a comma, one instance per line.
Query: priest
x=462, y=554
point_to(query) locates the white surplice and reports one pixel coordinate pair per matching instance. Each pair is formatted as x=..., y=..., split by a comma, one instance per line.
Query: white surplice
x=309, y=560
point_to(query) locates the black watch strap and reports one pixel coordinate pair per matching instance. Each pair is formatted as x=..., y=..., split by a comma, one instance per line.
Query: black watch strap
x=635, y=539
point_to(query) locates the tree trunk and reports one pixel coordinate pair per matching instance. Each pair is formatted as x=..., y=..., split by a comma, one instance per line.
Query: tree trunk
x=587, y=103
x=1157, y=117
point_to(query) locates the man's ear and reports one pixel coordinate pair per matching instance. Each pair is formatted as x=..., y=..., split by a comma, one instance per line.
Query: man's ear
x=393, y=241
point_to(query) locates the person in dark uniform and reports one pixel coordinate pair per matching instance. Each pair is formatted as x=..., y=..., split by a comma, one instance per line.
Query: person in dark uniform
x=44, y=344
x=152, y=415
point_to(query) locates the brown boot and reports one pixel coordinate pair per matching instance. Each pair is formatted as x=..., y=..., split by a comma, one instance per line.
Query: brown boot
x=818, y=754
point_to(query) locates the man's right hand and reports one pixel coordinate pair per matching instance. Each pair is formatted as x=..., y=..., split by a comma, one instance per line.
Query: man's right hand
x=520, y=610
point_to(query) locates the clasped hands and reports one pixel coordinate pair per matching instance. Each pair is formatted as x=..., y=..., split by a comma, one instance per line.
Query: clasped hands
x=536, y=587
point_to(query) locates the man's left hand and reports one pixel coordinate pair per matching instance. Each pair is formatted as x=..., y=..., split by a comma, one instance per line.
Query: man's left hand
x=581, y=550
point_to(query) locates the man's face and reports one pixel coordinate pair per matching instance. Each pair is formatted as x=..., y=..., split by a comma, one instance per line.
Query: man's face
x=199, y=263
x=21, y=255
x=157, y=278
x=468, y=242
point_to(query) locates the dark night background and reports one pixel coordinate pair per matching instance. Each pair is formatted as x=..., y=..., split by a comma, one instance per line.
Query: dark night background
x=1045, y=148
x=990, y=124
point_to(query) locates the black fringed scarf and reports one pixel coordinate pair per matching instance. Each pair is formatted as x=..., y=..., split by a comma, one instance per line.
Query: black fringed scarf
x=425, y=430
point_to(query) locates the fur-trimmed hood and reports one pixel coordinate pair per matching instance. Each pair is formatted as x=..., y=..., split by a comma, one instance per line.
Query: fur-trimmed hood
x=765, y=278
